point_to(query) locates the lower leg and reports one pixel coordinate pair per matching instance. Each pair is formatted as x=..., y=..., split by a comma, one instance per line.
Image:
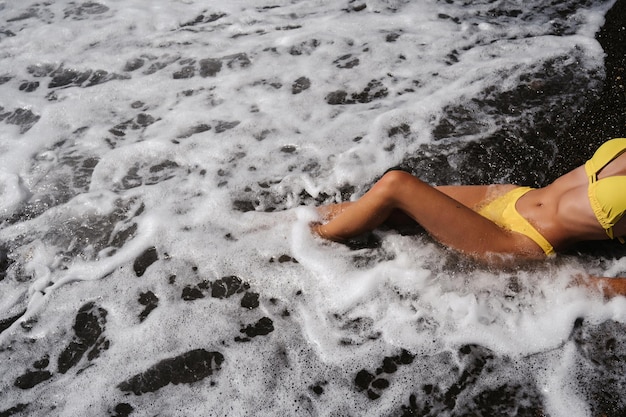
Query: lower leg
x=347, y=220
x=330, y=211
x=446, y=219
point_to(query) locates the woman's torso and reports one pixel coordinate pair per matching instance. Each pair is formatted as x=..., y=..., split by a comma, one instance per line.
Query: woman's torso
x=561, y=211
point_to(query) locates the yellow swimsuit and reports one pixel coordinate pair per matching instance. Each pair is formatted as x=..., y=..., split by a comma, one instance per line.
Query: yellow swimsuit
x=502, y=212
x=607, y=197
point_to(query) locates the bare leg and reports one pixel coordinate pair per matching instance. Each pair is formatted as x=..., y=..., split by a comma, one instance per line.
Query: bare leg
x=474, y=196
x=330, y=211
x=609, y=287
x=396, y=218
x=447, y=220
x=469, y=195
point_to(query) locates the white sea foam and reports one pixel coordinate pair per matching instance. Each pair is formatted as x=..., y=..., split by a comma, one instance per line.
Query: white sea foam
x=145, y=158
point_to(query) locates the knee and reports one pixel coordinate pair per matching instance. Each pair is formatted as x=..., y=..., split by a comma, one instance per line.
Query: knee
x=392, y=182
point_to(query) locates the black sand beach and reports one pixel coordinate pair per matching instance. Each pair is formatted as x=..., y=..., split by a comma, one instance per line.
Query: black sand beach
x=189, y=324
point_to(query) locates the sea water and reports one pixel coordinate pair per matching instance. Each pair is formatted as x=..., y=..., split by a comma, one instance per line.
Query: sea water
x=159, y=165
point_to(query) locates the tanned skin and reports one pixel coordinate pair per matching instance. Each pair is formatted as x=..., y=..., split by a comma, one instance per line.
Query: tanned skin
x=560, y=211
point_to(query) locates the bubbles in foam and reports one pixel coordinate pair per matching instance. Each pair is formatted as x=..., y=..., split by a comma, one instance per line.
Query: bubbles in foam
x=134, y=205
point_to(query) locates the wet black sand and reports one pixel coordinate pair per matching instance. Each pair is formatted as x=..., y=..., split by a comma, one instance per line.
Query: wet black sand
x=604, y=116
x=602, y=354
x=572, y=114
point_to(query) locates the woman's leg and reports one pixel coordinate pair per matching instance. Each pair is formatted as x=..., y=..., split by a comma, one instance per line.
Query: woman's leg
x=446, y=219
x=474, y=196
x=330, y=211
x=471, y=196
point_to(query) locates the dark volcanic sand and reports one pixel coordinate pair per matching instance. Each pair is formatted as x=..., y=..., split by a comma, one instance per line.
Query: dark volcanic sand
x=605, y=116
x=572, y=116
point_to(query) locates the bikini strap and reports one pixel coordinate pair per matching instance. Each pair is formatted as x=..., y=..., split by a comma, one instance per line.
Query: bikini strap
x=603, y=156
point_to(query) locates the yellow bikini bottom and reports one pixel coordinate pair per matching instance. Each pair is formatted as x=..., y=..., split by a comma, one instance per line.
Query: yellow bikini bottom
x=502, y=212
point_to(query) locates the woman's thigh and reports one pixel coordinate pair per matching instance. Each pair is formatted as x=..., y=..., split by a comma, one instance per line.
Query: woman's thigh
x=447, y=214
x=474, y=196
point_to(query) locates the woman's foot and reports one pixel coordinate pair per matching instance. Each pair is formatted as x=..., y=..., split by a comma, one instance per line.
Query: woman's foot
x=316, y=228
x=319, y=229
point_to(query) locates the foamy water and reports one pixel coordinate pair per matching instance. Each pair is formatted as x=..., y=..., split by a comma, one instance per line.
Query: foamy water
x=159, y=164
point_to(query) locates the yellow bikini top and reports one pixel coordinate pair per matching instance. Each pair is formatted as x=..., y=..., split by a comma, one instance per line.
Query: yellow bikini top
x=608, y=195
